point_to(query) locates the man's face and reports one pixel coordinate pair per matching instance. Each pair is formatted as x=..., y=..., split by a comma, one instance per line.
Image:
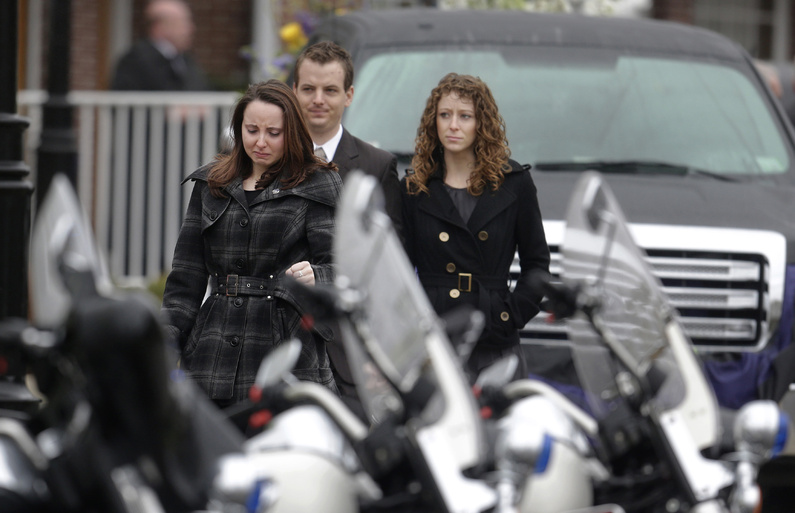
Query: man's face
x=322, y=96
x=174, y=24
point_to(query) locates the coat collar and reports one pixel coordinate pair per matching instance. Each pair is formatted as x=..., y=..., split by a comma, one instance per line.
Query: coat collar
x=489, y=205
x=437, y=203
x=323, y=186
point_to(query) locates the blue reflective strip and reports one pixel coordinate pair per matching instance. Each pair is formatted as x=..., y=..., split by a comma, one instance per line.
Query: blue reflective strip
x=782, y=435
x=546, y=454
x=252, y=503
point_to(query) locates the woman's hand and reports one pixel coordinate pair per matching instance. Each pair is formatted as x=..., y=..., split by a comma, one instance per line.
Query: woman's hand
x=302, y=271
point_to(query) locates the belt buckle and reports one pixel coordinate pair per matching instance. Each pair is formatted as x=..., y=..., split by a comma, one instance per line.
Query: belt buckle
x=468, y=287
x=231, y=288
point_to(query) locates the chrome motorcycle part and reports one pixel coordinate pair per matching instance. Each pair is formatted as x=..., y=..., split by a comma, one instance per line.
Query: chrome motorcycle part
x=543, y=453
x=761, y=428
x=301, y=445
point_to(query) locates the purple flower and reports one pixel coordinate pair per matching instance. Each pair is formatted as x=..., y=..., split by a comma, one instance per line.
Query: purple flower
x=308, y=21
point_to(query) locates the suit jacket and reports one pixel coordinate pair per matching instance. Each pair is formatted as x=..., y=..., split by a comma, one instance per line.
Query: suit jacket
x=144, y=68
x=353, y=153
x=468, y=263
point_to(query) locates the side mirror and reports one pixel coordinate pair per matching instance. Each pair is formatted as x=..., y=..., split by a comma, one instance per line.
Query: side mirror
x=278, y=364
x=595, y=205
x=65, y=265
x=499, y=373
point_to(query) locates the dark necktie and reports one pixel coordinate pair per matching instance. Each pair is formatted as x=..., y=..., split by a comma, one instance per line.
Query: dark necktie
x=321, y=154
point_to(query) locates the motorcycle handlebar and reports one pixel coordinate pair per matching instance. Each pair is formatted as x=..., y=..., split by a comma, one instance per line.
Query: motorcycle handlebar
x=525, y=387
x=332, y=404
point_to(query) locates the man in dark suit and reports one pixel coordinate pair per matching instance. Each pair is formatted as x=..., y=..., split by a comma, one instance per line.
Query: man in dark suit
x=161, y=61
x=323, y=84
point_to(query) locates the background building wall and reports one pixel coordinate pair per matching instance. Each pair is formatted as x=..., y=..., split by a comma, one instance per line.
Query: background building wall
x=224, y=31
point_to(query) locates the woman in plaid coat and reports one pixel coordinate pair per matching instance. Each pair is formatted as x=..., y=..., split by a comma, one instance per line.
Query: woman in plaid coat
x=261, y=212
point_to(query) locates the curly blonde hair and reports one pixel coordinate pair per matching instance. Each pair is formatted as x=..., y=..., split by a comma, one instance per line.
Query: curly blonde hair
x=490, y=147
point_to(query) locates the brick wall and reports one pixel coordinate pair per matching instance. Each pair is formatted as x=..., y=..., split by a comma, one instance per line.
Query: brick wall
x=222, y=28
x=88, y=53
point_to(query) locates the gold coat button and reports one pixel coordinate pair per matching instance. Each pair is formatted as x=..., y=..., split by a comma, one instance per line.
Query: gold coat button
x=450, y=267
x=504, y=316
x=444, y=237
x=483, y=235
x=454, y=293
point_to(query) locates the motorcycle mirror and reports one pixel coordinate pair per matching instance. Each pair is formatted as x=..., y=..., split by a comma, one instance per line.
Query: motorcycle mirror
x=595, y=206
x=278, y=364
x=498, y=374
x=64, y=262
x=599, y=218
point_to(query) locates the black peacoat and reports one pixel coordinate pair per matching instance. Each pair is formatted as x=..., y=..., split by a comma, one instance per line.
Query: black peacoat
x=469, y=263
x=244, y=250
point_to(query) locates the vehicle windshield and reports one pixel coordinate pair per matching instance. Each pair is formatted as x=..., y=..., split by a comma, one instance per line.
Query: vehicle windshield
x=564, y=105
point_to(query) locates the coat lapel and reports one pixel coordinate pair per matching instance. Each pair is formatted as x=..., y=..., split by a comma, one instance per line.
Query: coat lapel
x=438, y=204
x=268, y=193
x=322, y=190
x=346, y=155
x=235, y=189
x=490, y=205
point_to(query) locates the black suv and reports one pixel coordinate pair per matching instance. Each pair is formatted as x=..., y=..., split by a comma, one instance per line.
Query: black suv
x=679, y=120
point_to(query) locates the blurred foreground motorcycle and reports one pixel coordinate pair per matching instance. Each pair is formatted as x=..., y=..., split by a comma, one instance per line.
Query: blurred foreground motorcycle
x=645, y=434
x=118, y=428
x=122, y=431
x=658, y=431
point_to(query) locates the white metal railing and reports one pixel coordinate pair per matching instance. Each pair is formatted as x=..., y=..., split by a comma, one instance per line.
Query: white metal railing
x=134, y=149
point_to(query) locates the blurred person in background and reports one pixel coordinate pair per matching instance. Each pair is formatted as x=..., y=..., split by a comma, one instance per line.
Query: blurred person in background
x=162, y=61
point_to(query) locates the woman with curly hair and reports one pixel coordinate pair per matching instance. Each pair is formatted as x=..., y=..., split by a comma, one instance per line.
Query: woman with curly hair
x=467, y=209
x=259, y=213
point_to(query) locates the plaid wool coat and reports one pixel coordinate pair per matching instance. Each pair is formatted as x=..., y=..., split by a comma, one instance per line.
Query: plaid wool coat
x=222, y=341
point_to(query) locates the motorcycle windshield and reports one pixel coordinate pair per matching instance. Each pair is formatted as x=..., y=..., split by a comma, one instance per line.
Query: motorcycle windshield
x=402, y=335
x=599, y=255
x=370, y=258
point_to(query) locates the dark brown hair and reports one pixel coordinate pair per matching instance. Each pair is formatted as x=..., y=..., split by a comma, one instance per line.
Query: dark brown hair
x=490, y=146
x=323, y=53
x=298, y=161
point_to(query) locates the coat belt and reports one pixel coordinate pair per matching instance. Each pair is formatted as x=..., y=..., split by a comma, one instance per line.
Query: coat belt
x=465, y=282
x=236, y=285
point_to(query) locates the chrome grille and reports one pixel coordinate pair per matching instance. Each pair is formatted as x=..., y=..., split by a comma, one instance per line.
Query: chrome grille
x=722, y=299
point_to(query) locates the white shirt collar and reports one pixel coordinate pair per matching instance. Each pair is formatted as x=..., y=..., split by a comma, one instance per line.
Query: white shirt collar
x=330, y=146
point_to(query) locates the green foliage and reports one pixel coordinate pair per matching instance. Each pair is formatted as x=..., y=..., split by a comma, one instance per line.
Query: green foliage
x=158, y=287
